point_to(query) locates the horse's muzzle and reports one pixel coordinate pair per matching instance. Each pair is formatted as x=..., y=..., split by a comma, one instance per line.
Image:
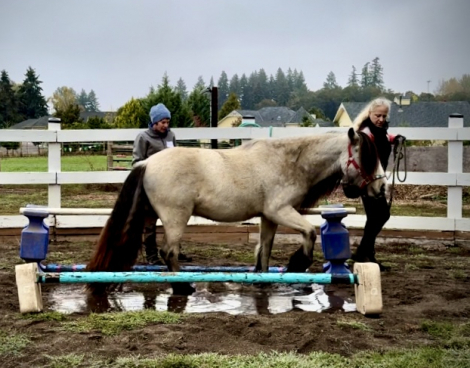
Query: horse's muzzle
x=352, y=191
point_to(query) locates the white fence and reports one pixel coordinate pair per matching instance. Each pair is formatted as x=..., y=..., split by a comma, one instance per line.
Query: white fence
x=454, y=179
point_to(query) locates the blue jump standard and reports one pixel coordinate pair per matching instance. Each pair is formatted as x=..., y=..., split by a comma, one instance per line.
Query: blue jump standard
x=156, y=268
x=248, y=278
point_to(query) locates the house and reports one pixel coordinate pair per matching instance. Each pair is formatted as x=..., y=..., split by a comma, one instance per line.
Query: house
x=405, y=113
x=41, y=123
x=271, y=117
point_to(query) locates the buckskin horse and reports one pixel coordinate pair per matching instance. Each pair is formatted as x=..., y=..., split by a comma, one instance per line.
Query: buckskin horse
x=269, y=178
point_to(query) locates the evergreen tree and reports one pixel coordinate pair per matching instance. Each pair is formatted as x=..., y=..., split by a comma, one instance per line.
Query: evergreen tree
x=181, y=89
x=223, y=89
x=365, y=77
x=234, y=86
x=330, y=82
x=132, y=115
x=200, y=83
x=231, y=104
x=33, y=105
x=82, y=99
x=290, y=79
x=353, y=81
x=180, y=114
x=69, y=116
x=299, y=81
x=93, y=104
x=281, y=88
x=199, y=104
x=9, y=104
x=376, y=74
x=261, y=88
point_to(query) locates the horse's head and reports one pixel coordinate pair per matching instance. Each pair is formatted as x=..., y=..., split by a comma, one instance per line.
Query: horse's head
x=362, y=172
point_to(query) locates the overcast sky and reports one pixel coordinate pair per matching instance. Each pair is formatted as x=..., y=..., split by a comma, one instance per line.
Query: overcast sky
x=120, y=48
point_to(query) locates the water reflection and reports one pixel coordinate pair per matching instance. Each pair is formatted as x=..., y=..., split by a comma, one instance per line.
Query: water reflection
x=230, y=298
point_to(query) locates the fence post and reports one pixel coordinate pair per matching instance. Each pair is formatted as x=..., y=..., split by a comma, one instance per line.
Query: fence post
x=455, y=166
x=54, y=165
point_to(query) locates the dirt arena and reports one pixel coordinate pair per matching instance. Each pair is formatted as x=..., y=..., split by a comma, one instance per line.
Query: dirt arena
x=422, y=285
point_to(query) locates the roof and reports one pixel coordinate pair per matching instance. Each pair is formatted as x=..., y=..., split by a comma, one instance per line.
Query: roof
x=428, y=114
x=418, y=114
x=41, y=123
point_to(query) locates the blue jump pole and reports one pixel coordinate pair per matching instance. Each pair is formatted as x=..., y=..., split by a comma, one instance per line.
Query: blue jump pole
x=156, y=268
x=248, y=278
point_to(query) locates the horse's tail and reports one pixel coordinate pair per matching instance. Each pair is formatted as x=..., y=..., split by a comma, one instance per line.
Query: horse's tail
x=121, y=238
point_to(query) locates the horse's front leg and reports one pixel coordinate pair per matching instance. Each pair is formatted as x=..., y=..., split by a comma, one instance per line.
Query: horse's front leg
x=174, y=231
x=289, y=217
x=267, y=231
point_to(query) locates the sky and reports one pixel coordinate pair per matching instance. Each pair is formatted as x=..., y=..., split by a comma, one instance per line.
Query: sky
x=121, y=48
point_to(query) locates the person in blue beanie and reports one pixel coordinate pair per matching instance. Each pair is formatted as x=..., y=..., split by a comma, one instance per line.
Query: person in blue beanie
x=155, y=139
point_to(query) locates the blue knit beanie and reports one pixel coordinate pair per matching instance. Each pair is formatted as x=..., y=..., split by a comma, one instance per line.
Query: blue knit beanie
x=157, y=113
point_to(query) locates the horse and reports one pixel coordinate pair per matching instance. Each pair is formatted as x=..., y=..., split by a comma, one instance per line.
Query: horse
x=267, y=178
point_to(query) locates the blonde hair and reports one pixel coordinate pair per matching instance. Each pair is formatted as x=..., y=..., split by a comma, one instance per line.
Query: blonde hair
x=364, y=114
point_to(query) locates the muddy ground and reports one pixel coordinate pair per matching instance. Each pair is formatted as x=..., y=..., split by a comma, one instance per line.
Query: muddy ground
x=422, y=285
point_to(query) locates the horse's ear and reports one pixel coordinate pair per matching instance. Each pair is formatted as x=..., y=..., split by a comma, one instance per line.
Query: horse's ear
x=352, y=135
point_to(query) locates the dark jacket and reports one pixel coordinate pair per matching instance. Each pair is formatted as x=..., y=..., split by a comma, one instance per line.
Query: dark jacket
x=381, y=139
x=149, y=142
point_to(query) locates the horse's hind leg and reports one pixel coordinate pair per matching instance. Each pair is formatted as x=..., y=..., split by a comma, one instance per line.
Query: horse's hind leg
x=289, y=217
x=174, y=229
x=265, y=245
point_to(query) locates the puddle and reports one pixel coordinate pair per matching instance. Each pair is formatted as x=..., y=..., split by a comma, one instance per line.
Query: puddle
x=232, y=299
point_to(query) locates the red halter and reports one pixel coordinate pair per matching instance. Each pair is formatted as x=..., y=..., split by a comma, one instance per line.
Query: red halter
x=366, y=179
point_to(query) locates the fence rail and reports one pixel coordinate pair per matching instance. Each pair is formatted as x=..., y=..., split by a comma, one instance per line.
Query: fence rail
x=454, y=178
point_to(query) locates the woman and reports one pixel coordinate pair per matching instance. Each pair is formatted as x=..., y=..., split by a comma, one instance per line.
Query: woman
x=373, y=120
x=148, y=142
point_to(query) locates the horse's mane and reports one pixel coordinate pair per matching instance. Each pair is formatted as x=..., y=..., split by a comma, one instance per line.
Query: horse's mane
x=368, y=154
x=368, y=158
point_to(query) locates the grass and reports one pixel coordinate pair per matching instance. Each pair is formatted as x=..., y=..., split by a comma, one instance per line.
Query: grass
x=12, y=344
x=114, y=323
x=355, y=325
x=426, y=357
x=65, y=361
x=39, y=163
x=45, y=316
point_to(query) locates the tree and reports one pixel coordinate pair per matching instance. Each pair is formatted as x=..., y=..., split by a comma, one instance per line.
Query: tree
x=223, y=89
x=10, y=146
x=180, y=113
x=9, y=104
x=330, y=82
x=93, y=104
x=181, y=89
x=281, y=89
x=132, y=115
x=82, y=99
x=231, y=104
x=200, y=83
x=199, y=104
x=33, y=105
x=353, y=81
x=376, y=74
x=63, y=98
x=96, y=122
x=234, y=86
x=365, y=76
x=265, y=103
x=69, y=116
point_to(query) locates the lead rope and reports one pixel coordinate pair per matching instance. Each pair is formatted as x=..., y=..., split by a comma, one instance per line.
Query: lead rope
x=399, y=154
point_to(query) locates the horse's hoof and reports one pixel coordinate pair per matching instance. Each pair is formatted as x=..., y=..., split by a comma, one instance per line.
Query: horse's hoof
x=182, y=288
